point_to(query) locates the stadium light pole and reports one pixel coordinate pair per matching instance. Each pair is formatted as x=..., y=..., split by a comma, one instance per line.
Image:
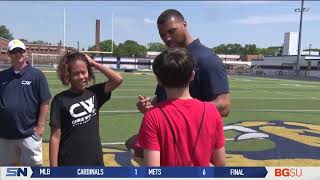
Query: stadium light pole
x=64, y=29
x=112, y=24
x=309, y=49
x=78, y=43
x=301, y=10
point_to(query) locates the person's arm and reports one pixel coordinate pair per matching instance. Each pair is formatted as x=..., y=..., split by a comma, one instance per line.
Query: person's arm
x=151, y=158
x=54, y=145
x=114, y=78
x=223, y=103
x=44, y=108
x=218, y=157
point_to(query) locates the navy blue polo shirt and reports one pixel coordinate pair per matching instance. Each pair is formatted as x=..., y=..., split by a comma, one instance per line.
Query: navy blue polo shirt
x=20, y=97
x=210, y=78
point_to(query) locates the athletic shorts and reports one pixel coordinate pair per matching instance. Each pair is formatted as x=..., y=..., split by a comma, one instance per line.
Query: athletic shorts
x=22, y=152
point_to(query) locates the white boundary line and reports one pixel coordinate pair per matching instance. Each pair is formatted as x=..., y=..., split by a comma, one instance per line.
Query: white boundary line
x=274, y=79
x=247, y=110
x=120, y=111
x=299, y=97
x=113, y=143
x=123, y=143
x=277, y=110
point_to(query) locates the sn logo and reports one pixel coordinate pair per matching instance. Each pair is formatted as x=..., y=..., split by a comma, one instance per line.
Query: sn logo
x=88, y=106
x=17, y=172
x=26, y=82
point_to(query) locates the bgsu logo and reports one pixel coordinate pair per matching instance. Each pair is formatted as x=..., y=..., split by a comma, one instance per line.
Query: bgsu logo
x=286, y=172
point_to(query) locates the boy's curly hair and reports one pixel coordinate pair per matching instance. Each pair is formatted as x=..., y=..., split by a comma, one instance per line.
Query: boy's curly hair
x=63, y=70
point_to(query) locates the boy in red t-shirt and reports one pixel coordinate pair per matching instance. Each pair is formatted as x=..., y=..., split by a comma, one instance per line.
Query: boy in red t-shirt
x=181, y=131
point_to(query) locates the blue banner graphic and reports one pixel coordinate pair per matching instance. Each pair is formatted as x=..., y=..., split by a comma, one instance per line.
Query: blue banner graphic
x=240, y=172
x=149, y=172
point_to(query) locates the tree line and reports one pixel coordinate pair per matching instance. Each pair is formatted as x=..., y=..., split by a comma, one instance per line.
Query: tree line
x=131, y=48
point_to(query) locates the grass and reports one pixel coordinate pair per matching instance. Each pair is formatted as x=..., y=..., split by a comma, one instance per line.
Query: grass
x=253, y=99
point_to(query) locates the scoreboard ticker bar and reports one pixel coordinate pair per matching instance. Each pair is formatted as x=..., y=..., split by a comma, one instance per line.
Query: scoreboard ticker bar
x=134, y=172
x=159, y=172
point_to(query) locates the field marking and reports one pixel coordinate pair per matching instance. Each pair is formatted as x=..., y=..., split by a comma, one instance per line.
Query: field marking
x=275, y=98
x=281, y=93
x=121, y=111
x=123, y=143
x=275, y=86
x=289, y=94
x=250, y=110
x=299, y=85
x=232, y=91
x=248, y=98
x=285, y=80
x=58, y=89
x=298, y=96
x=246, y=110
x=113, y=143
x=298, y=92
x=251, y=98
x=277, y=110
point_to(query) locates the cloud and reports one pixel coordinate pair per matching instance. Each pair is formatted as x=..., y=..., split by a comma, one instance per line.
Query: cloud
x=149, y=21
x=275, y=19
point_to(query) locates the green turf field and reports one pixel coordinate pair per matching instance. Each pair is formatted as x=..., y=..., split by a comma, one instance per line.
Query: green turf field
x=253, y=99
x=255, y=102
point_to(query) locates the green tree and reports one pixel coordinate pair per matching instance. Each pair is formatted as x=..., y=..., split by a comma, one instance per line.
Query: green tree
x=228, y=49
x=271, y=51
x=106, y=46
x=5, y=33
x=221, y=49
x=250, y=49
x=156, y=46
x=131, y=48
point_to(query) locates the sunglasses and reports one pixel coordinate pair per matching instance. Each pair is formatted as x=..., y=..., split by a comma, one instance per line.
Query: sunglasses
x=17, y=50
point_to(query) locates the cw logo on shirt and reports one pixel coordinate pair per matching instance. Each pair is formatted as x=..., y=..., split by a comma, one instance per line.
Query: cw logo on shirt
x=88, y=105
x=26, y=82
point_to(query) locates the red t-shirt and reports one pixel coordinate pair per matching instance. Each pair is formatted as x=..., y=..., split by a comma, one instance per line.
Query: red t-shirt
x=185, y=116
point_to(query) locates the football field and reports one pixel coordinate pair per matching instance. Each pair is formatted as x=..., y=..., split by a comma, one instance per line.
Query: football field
x=272, y=122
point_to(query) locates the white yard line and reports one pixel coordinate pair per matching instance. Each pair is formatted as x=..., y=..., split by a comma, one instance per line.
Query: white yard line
x=277, y=110
x=113, y=143
x=281, y=93
x=275, y=98
x=120, y=111
x=123, y=143
x=245, y=110
x=289, y=94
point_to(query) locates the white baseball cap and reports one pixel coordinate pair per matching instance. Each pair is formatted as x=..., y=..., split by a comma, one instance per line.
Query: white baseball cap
x=16, y=43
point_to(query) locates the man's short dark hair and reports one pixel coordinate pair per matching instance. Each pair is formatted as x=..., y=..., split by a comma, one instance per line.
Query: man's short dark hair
x=174, y=67
x=167, y=14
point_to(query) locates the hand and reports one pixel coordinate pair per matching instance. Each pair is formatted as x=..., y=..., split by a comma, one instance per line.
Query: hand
x=90, y=60
x=143, y=104
x=39, y=129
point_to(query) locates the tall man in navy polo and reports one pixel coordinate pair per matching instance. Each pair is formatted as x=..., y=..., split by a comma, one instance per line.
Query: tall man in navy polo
x=210, y=82
x=24, y=104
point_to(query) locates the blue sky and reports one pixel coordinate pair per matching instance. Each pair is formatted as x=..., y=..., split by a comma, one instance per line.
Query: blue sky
x=214, y=22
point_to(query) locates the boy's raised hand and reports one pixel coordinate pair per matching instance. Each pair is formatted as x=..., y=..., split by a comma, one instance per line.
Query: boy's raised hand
x=143, y=104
